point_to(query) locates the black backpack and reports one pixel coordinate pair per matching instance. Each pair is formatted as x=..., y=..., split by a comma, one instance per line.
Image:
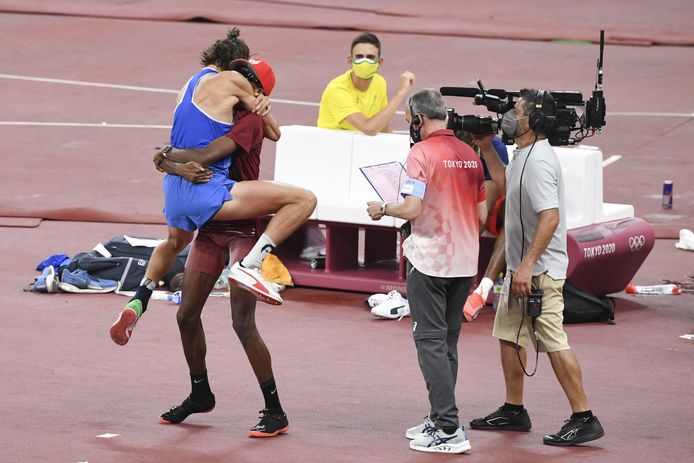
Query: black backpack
x=127, y=264
x=583, y=307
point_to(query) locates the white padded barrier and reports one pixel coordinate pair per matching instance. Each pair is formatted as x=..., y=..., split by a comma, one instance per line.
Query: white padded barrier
x=327, y=162
x=579, y=168
x=316, y=159
x=582, y=174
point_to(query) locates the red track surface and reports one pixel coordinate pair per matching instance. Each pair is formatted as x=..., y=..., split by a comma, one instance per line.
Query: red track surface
x=350, y=384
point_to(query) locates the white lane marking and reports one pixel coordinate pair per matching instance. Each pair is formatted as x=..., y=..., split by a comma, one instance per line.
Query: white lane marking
x=87, y=84
x=278, y=100
x=611, y=160
x=108, y=435
x=85, y=124
x=128, y=87
x=650, y=114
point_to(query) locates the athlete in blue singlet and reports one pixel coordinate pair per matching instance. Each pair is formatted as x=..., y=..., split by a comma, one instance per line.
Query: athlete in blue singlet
x=187, y=205
x=207, y=98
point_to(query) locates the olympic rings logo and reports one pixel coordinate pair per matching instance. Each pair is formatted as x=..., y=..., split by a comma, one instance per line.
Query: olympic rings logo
x=636, y=242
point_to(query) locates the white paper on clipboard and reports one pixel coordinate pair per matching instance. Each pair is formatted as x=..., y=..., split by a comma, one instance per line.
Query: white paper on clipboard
x=386, y=179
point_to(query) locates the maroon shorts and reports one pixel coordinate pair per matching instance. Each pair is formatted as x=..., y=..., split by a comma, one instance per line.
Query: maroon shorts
x=213, y=248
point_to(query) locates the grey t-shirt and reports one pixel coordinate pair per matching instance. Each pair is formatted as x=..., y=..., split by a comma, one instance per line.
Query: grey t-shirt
x=542, y=189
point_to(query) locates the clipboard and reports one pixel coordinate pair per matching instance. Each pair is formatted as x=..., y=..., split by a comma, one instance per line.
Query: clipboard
x=386, y=179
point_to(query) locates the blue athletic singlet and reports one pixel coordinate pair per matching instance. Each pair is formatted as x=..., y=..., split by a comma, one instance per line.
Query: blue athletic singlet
x=190, y=205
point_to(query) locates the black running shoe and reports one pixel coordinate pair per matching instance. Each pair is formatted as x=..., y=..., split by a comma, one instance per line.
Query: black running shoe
x=576, y=431
x=180, y=412
x=271, y=424
x=503, y=420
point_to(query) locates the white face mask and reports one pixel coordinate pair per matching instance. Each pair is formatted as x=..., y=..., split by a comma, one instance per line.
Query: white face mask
x=509, y=123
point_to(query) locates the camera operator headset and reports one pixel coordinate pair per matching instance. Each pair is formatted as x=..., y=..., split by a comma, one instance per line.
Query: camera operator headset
x=538, y=121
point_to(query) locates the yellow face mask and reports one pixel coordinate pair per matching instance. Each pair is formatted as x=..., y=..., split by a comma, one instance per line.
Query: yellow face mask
x=365, y=68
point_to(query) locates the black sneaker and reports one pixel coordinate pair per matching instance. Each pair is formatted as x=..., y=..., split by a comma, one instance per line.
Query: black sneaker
x=503, y=420
x=576, y=431
x=271, y=424
x=180, y=412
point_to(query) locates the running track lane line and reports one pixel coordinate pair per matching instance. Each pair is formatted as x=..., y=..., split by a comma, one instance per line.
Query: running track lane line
x=274, y=100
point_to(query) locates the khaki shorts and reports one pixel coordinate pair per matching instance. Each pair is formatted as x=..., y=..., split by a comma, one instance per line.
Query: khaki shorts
x=549, y=326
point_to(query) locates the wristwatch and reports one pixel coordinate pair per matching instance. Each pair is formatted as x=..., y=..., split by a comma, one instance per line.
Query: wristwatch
x=166, y=150
x=382, y=209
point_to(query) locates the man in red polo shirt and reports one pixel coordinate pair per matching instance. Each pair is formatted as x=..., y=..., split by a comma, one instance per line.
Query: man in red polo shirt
x=445, y=202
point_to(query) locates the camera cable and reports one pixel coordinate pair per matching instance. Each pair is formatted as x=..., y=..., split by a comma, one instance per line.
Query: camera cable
x=532, y=324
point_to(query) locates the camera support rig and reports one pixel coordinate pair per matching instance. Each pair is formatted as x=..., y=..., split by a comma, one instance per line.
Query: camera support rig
x=569, y=129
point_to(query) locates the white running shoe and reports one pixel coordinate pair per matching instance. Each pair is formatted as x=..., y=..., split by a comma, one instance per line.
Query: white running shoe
x=380, y=298
x=438, y=441
x=392, y=309
x=251, y=280
x=422, y=430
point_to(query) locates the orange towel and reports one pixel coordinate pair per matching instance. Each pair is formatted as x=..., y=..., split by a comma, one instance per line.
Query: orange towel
x=274, y=270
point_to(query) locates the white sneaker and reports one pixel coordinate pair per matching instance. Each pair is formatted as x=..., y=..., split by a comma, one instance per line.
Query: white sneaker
x=686, y=241
x=438, y=441
x=379, y=298
x=422, y=430
x=392, y=309
x=251, y=280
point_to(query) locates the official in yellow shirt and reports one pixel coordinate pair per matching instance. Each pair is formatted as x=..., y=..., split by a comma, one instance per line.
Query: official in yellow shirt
x=342, y=98
x=358, y=99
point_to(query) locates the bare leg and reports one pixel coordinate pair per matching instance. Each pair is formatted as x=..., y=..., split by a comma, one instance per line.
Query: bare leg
x=568, y=372
x=513, y=373
x=162, y=261
x=497, y=263
x=196, y=288
x=243, y=319
x=165, y=253
x=291, y=205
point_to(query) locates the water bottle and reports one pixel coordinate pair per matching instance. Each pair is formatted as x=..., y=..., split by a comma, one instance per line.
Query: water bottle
x=175, y=297
x=653, y=290
x=162, y=296
x=498, y=288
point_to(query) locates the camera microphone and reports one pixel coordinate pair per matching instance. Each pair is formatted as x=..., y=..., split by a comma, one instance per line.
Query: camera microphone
x=467, y=92
x=595, y=107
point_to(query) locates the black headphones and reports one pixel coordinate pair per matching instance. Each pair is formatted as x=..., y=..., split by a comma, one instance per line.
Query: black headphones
x=538, y=120
x=416, y=120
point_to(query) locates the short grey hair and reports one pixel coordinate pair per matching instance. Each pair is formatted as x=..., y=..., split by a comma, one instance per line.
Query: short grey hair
x=428, y=102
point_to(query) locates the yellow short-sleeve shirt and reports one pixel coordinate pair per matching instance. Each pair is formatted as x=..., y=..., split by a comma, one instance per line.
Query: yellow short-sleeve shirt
x=341, y=98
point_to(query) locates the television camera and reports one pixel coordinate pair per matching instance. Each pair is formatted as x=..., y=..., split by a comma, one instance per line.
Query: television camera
x=569, y=127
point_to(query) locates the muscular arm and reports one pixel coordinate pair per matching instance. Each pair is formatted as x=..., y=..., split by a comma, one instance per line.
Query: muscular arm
x=218, y=94
x=549, y=220
x=380, y=121
x=497, y=169
x=482, y=213
x=191, y=171
x=271, y=129
x=217, y=150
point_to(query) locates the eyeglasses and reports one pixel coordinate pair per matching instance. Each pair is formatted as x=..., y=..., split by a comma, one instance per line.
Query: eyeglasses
x=365, y=59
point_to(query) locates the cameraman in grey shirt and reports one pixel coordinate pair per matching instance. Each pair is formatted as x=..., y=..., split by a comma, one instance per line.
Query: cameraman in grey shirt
x=537, y=261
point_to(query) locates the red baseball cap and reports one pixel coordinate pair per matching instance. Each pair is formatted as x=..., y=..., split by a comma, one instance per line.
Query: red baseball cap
x=257, y=71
